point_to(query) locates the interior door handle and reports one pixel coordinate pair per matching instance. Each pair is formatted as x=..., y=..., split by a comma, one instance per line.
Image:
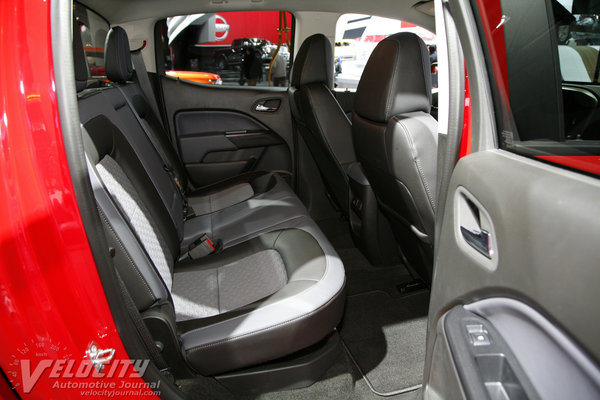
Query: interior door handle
x=267, y=105
x=263, y=108
x=480, y=241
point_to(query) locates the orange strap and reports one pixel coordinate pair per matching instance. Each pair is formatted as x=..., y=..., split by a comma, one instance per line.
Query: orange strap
x=283, y=29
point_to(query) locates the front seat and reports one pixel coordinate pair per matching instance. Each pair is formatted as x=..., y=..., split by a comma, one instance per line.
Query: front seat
x=396, y=142
x=320, y=119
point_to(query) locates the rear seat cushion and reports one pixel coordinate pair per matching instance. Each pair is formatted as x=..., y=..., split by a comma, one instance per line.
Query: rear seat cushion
x=298, y=315
x=274, y=203
x=228, y=282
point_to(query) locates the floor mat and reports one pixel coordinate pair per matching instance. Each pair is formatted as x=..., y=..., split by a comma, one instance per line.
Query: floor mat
x=385, y=336
x=362, y=277
x=337, y=232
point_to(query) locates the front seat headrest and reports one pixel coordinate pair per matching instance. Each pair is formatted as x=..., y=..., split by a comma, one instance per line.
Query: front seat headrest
x=314, y=62
x=117, y=58
x=396, y=79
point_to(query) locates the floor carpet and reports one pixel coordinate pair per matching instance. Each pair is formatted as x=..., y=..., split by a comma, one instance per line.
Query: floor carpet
x=385, y=336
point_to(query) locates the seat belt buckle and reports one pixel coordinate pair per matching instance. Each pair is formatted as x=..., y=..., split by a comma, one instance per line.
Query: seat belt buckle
x=203, y=247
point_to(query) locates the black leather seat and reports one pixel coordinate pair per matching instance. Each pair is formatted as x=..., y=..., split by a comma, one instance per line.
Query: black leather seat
x=320, y=119
x=396, y=142
x=276, y=286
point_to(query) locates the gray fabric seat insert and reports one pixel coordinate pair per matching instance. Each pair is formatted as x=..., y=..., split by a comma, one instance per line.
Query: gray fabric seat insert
x=202, y=292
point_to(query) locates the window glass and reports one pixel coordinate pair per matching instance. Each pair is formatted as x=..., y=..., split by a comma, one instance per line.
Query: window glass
x=546, y=75
x=229, y=48
x=578, y=32
x=356, y=35
x=93, y=34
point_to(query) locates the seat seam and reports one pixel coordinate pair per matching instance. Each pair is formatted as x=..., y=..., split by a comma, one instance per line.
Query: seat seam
x=419, y=168
x=208, y=345
x=389, y=101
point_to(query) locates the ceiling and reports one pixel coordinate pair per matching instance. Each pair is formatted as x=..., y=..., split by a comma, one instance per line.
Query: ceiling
x=120, y=11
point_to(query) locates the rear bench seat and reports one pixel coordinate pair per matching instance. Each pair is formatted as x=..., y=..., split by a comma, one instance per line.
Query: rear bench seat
x=276, y=287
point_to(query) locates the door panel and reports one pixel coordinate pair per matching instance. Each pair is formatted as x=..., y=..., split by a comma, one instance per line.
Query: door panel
x=517, y=254
x=215, y=145
x=545, y=227
x=222, y=131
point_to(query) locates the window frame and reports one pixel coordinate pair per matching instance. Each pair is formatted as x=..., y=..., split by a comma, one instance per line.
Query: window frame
x=567, y=153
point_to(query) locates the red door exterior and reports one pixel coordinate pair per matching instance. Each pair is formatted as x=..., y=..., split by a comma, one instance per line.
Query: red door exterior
x=52, y=304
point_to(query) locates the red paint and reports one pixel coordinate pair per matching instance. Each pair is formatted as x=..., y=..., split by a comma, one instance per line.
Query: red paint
x=254, y=24
x=49, y=287
x=583, y=163
x=465, y=140
x=490, y=12
x=373, y=38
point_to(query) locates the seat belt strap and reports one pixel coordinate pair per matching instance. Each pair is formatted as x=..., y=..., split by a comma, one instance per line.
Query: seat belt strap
x=142, y=76
x=161, y=155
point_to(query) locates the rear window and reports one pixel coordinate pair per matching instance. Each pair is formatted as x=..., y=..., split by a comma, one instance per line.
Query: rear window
x=239, y=48
x=356, y=35
x=94, y=29
x=544, y=58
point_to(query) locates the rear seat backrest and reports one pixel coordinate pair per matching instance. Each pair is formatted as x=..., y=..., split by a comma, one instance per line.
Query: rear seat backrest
x=134, y=260
x=119, y=71
x=109, y=121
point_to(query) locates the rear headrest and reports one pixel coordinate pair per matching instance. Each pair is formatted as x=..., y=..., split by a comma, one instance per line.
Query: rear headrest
x=396, y=79
x=79, y=61
x=117, y=59
x=314, y=62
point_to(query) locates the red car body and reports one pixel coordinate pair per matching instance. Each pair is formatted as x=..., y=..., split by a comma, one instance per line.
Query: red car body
x=52, y=301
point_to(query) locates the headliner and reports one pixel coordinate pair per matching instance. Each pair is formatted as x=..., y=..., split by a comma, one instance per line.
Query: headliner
x=119, y=11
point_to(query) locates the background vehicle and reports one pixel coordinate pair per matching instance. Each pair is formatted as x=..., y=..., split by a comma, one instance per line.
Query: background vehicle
x=231, y=57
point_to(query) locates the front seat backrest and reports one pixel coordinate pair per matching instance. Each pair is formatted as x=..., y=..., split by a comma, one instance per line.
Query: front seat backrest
x=396, y=141
x=319, y=118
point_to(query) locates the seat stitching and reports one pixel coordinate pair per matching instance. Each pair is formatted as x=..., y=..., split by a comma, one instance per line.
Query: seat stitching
x=204, y=346
x=390, y=97
x=418, y=165
x=323, y=137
